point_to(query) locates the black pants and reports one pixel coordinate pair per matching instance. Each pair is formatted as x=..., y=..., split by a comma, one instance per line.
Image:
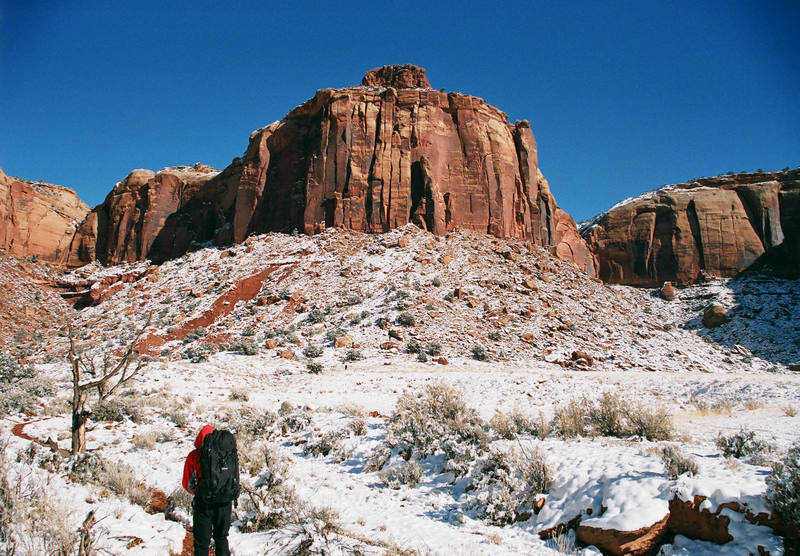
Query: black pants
x=208, y=521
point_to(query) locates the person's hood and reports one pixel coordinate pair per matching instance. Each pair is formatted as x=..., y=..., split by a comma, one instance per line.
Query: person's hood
x=205, y=431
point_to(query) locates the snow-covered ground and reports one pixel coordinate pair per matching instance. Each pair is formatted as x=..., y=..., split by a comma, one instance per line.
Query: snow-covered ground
x=551, y=334
x=624, y=476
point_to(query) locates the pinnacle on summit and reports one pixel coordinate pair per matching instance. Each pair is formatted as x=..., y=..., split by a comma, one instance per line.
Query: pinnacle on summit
x=408, y=76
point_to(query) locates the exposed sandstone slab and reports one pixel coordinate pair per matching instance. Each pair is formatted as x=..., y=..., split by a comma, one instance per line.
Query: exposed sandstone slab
x=719, y=225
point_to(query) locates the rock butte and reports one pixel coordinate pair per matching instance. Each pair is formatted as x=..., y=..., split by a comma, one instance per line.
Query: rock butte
x=369, y=158
x=720, y=225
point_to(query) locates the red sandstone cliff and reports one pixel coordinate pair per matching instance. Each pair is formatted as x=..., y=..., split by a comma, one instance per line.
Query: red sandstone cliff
x=138, y=219
x=38, y=218
x=720, y=225
x=369, y=158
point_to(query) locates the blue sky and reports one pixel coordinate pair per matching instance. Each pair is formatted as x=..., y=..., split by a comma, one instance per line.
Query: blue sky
x=622, y=96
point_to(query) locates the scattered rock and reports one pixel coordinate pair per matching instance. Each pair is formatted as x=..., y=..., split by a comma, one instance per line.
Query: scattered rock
x=714, y=315
x=271, y=343
x=668, y=291
x=343, y=341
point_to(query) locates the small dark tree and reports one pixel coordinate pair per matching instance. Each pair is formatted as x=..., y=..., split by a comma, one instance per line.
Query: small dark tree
x=108, y=376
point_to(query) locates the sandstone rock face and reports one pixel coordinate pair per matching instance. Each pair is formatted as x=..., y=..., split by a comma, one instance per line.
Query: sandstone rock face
x=399, y=77
x=38, y=219
x=149, y=215
x=369, y=158
x=719, y=225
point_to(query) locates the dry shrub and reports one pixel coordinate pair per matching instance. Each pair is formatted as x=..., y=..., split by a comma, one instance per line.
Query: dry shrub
x=740, y=445
x=239, y=395
x=752, y=404
x=32, y=520
x=404, y=473
x=249, y=421
x=118, y=409
x=437, y=420
x=23, y=395
x=353, y=409
x=358, y=425
x=271, y=501
x=252, y=454
x=789, y=410
x=676, y=463
x=121, y=479
x=720, y=407
x=651, y=423
x=326, y=444
x=179, y=506
x=145, y=440
x=118, y=477
x=783, y=487
x=608, y=416
x=510, y=425
x=572, y=419
x=293, y=422
x=507, y=484
x=612, y=415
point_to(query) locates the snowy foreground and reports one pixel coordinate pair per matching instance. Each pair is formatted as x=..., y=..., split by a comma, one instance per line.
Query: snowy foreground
x=404, y=394
x=613, y=483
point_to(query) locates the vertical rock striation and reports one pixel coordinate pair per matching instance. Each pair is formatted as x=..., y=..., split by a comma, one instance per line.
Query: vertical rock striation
x=369, y=158
x=720, y=225
x=38, y=219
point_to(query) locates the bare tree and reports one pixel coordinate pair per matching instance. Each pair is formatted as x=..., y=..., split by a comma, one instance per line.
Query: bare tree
x=107, y=377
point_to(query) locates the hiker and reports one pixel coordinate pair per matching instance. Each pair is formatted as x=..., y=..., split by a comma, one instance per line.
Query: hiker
x=211, y=474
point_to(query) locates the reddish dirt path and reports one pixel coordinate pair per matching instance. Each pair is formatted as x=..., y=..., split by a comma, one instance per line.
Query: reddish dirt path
x=18, y=430
x=188, y=545
x=244, y=290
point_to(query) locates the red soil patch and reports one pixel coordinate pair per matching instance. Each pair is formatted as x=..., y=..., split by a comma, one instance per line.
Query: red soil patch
x=245, y=290
x=188, y=545
x=18, y=430
x=157, y=503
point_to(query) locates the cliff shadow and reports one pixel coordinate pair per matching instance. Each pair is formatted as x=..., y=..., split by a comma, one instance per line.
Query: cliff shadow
x=764, y=319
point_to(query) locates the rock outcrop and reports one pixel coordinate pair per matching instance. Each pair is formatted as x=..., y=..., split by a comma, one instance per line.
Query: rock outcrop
x=369, y=158
x=150, y=215
x=720, y=225
x=38, y=219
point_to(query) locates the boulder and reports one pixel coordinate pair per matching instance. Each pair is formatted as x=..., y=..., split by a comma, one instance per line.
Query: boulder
x=343, y=341
x=667, y=291
x=578, y=356
x=720, y=226
x=714, y=315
